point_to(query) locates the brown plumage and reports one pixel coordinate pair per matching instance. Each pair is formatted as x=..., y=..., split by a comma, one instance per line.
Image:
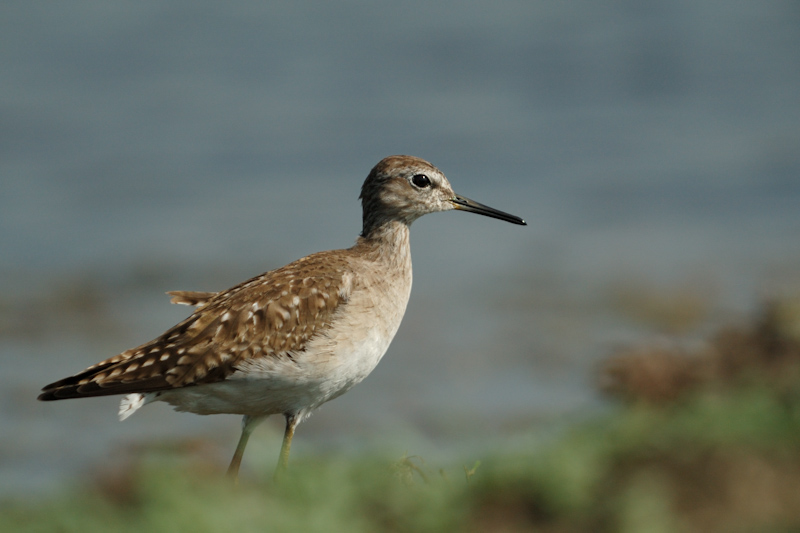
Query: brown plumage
x=272, y=314
x=293, y=338
x=195, y=298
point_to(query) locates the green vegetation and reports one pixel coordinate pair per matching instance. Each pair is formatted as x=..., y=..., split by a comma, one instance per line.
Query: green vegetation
x=717, y=449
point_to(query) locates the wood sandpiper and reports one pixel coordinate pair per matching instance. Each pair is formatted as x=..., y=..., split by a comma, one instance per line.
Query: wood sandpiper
x=289, y=340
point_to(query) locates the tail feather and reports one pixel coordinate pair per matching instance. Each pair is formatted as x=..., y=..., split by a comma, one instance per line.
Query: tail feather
x=74, y=388
x=131, y=403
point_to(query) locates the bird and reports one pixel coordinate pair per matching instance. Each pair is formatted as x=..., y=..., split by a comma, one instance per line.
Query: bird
x=291, y=339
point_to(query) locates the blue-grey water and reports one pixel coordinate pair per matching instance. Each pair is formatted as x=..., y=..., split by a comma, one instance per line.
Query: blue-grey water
x=150, y=146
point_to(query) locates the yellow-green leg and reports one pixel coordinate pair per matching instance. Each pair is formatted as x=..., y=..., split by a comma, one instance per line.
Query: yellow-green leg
x=283, y=461
x=249, y=423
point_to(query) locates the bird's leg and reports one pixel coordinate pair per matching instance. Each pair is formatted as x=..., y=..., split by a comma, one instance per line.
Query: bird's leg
x=249, y=423
x=283, y=461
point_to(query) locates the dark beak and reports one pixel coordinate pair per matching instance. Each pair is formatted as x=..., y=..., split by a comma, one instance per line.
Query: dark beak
x=465, y=204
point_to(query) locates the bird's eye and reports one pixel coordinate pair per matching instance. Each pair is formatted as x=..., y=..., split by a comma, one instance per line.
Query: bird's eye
x=421, y=180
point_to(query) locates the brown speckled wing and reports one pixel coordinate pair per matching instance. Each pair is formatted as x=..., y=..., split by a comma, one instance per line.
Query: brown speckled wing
x=272, y=315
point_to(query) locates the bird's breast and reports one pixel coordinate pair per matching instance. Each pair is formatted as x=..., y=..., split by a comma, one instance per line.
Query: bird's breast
x=361, y=332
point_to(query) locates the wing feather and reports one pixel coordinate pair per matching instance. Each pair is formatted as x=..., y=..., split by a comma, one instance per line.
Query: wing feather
x=271, y=315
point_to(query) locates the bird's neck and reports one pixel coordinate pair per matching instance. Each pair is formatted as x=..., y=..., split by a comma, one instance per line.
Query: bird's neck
x=386, y=242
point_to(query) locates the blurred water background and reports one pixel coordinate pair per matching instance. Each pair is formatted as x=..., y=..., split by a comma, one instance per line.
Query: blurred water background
x=653, y=148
